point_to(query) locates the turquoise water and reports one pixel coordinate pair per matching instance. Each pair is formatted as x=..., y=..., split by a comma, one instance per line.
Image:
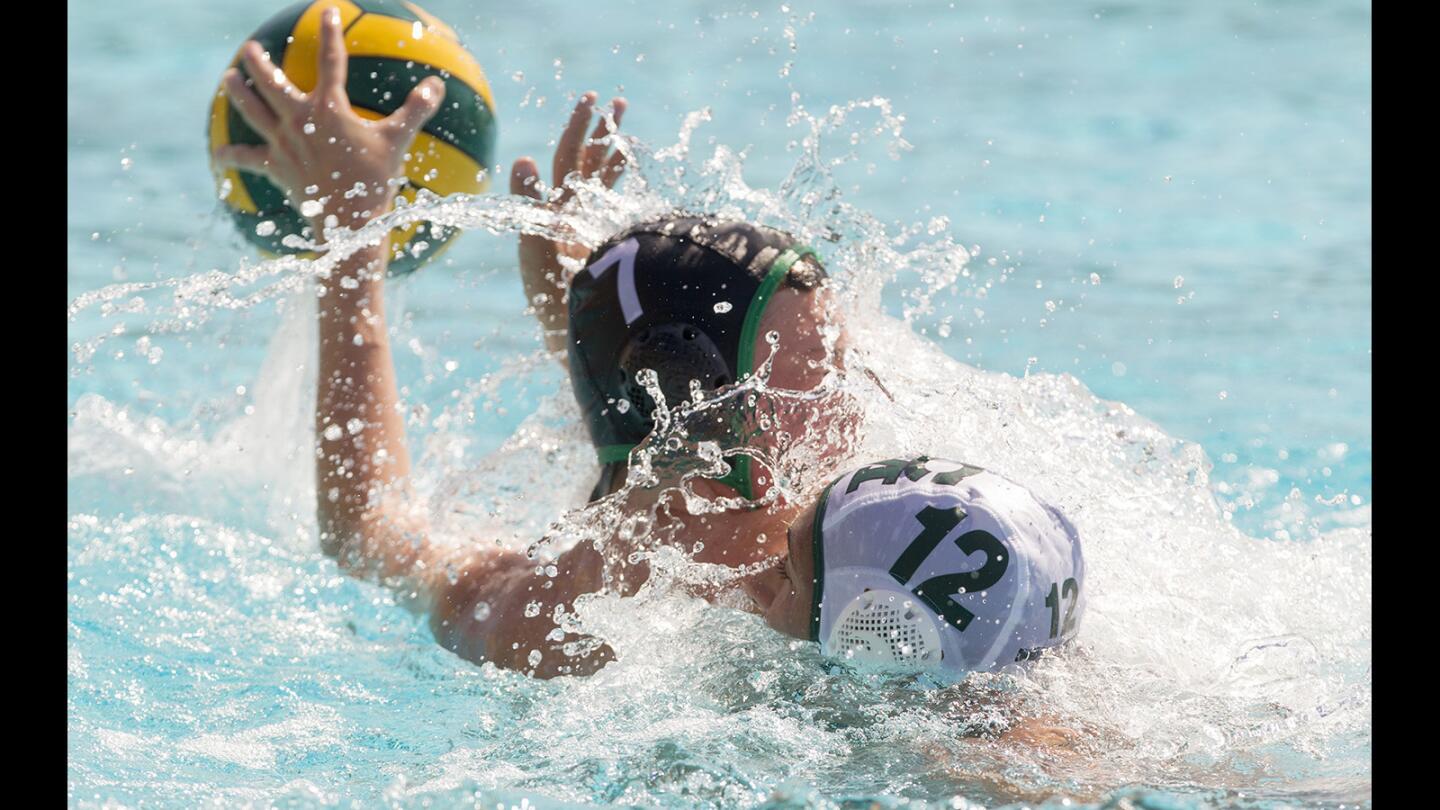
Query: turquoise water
x=1171, y=205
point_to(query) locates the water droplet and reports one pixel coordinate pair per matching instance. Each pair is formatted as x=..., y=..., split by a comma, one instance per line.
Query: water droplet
x=355, y=426
x=1179, y=282
x=311, y=208
x=722, y=307
x=1095, y=278
x=622, y=405
x=125, y=164
x=482, y=611
x=534, y=658
x=1224, y=394
x=265, y=228
x=532, y=610
x=772, y=337
x=309, y=128
x=333, y=432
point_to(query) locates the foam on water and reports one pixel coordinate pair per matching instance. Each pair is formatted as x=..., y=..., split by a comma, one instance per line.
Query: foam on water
x=216, y=656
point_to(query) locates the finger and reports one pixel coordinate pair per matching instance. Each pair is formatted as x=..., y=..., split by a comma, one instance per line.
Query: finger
x=614, y=166
x=567, y=151
x=595, y=148
x=334, y=63
x=270, y=82
x=595, y=153
x=249, y=157
x=419, y=107
x=525, y=178
x=256, y=112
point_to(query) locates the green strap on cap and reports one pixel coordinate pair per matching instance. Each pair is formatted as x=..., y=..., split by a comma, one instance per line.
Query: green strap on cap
x=817, y=547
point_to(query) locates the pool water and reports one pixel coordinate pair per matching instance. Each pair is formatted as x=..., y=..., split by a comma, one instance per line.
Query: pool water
x=1118, y=253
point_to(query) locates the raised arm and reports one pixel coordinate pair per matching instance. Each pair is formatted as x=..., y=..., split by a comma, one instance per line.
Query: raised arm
x=337, y=169
x=323, y=154
x=540, y=268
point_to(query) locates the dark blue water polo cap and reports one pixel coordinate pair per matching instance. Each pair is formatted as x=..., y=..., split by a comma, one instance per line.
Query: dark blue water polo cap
x=682, y=296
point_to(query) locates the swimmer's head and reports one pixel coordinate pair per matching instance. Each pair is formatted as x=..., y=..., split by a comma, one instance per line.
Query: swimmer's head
x=927, y=564
x=692, y=299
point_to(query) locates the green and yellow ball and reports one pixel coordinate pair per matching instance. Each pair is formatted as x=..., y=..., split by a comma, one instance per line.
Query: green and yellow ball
x=393, y=46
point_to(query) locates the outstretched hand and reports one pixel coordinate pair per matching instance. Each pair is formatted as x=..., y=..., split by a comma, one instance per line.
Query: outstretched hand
x=575, y=156
x=328, y=159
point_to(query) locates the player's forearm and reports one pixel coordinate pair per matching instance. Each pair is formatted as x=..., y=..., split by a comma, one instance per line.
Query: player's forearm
x=360, y=434
x=542, y=277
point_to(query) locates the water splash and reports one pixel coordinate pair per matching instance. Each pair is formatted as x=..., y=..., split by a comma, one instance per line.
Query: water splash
x=1210, y=660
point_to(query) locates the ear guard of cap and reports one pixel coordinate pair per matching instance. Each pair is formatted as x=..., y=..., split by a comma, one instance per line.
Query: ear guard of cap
x=888, y=629
x=677, y=353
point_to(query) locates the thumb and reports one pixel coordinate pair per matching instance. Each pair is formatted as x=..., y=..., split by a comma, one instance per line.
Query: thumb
x=525, y=178
x=419, y=107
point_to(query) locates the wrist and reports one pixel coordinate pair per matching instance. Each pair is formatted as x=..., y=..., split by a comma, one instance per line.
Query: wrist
x=346, y=209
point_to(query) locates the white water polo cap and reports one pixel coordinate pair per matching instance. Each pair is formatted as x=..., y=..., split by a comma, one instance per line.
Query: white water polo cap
x=931, y=564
